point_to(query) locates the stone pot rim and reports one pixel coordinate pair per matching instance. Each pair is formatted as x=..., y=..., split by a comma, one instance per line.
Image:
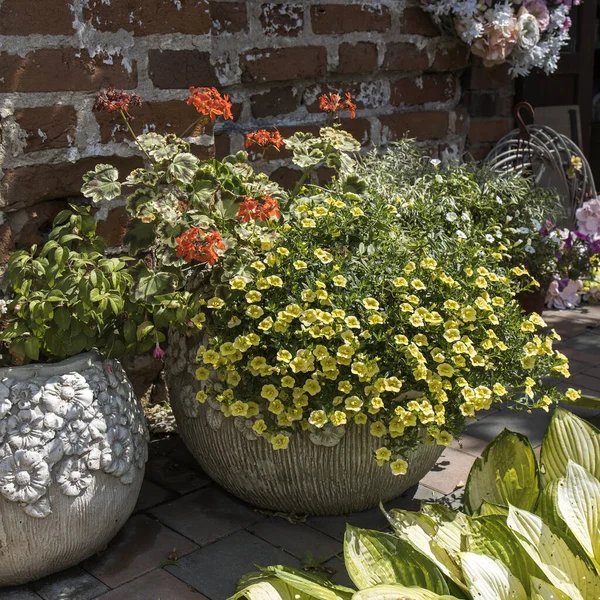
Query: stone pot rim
x=68, y=365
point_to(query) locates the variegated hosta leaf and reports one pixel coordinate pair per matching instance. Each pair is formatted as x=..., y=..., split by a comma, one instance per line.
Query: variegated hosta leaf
x=487, y=508
x=490, y=535
x=564, y=569
x=569, y=438
x=419, y=531
x=286, y=583
x=101, y=184
x=578, y=505
x=542, y=590
x=452, y=527
x=374, y=558
x=398, y=592
x=183, y=168
x=506, y=473
x=490, y=579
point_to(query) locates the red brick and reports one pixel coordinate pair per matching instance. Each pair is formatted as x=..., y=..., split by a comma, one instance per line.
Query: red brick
x=415, y=21
x=203, y=152
x=62, y=69
x=462, y=120
x=31, y=225
x=149, y=16
x=360, y=129
x=426, y=125
x=24, y=17
x=286, y=177
x=283, y=20
x=357, y=58
x=25, y=186
x=276, y=101
x=346, y=18
x=228, y=17
x=488, y=130
x=112, y=229
x=480, y=151
x=222, y=145
x=173, y=116
x=47, y=126
x=180, y=69
x=452, y=58
x=489, y=78
x=404, y=56
x=427, y=88
x=281, y=64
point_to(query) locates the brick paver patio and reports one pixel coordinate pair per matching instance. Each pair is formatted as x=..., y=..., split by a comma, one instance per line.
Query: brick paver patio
x=189, y=540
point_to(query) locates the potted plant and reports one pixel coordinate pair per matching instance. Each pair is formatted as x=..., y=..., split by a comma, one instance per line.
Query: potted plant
x=336, y=350
x=73, y=439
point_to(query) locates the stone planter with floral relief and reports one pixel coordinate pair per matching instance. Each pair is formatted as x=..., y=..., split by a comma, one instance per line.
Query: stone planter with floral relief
x=73, y=447
x=324, y=471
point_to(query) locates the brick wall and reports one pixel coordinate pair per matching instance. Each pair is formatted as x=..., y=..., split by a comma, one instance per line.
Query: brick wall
x=274, y=58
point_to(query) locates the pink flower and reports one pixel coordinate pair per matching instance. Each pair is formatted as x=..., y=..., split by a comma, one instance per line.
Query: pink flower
x=539, y=10
x=568, y=297
x=158, y=353
x=496, y=43
x=588, y=218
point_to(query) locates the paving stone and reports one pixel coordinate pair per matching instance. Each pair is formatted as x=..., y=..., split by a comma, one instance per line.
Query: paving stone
x=18, y=593
x=451, y=470
x=141, y=546
x=297, y=539
x=592, y=371
x=206, y=515
x=335, y=526
x=152, y=495
x=340, y=575
x=469, y=444
x=215, y=570
x=581, y=355
x=175, y=476
x=72, y=584
x=533, y=425
x=582, y=380
x=158, y=585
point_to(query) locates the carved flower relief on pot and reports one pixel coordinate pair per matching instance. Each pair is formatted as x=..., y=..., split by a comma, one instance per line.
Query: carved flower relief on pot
x=61, y=429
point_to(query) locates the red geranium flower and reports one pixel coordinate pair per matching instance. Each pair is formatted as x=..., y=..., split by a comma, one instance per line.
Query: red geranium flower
x=333, y=103
x=252, y=210
x=262, y=137
x=112, y=100
x=209, y=102
x=195, y=244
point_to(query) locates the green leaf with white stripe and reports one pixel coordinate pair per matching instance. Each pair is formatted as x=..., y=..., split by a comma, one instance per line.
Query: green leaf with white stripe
x=490, y=535
x=564, y=569
x=374, y=558
x=578, y=503
x=490, y=579
x=452, y=527
x=398, y=592
x=419, y=531
x=506, y=474
x=569, y=438
x=542, y=590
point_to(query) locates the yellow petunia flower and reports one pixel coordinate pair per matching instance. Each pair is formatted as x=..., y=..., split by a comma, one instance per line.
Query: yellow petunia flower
x=215, y=303
x=269, y=392
x=399, y=467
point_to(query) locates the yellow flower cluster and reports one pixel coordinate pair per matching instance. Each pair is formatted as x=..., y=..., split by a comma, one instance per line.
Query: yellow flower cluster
x=321, y=340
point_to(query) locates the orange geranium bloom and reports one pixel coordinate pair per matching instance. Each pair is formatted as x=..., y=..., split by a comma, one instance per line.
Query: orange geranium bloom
x=195, y=244
x=112, y=100
x=333, y=103
x=209, y=102
x=251, y=209
x=262, y=137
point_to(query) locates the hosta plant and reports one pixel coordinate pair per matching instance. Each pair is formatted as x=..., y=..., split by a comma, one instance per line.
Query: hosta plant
x=529, y=532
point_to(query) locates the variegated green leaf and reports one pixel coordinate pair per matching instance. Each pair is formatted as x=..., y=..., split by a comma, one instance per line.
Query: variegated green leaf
x=506, y=473
x=564, y=569
x=452, y=527
x=374, y=558
x=542, y=590
x=101, y=184
x=578, y=496
x=490, y=579
x=183, y=168
x=398, y=592
x=569, y=438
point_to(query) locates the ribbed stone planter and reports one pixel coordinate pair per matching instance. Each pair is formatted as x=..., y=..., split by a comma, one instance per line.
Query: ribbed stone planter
x=321, y=473
x=73, y=448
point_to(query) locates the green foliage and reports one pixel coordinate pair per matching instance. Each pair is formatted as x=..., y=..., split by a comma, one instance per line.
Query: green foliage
x=524, y=549
x=68, y=297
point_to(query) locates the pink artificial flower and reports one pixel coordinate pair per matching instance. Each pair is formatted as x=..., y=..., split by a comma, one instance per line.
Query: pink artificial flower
x=566, y=298
x=496, y=43
x=158, y=353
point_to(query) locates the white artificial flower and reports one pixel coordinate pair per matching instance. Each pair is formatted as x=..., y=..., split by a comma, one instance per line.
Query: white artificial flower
x=528, y=32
